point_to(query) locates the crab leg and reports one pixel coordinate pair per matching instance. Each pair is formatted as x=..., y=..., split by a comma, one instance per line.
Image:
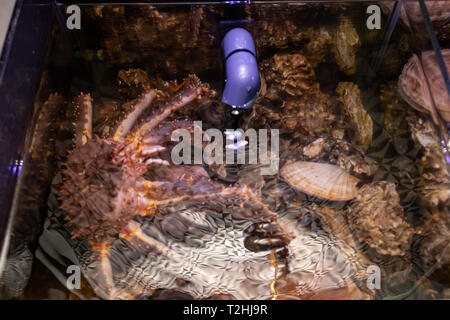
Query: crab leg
x=181, y=100
x=156, y=190
x=148, y=206
x=138, y=106
x=83, y=124
x=224, y=198
x=162, y=134
x=151, y=143
x=133, y=233
x=104, y=274
x=45, y=125
x=144, y=186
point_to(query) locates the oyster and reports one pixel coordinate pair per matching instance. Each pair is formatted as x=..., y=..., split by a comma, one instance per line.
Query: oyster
x=414, y=80
x=291, y=97
x=433, y=244
x=290, y=74
x=310, y=114
x=434, y=182
x=314, y=148
x=272, y=29
x=376, y=218
x=360, y=123
x=321, y=180
x=318, y=46
x=346, y=42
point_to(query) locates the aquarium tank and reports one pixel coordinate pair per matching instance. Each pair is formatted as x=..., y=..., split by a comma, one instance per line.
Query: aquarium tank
x=252, y=150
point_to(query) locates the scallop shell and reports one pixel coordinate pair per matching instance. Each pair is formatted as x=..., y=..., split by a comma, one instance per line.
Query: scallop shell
x=414, y=89
x=439, y=12
x=322, y=180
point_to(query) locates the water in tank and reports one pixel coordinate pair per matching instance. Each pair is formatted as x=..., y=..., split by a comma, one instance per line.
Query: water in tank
x=237, y=150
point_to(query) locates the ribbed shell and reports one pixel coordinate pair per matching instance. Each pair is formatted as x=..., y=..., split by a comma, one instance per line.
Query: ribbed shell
x=414, y=89
x=321, y=180
x=439, y=12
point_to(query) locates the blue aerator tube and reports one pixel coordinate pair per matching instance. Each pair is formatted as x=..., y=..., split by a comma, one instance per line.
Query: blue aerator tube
x=242, y=83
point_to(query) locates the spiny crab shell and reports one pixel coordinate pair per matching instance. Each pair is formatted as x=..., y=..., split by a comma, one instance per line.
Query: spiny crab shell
x=98, y=170
x=136, y=223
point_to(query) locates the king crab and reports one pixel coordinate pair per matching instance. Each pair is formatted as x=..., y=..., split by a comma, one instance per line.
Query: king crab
x=106, y=189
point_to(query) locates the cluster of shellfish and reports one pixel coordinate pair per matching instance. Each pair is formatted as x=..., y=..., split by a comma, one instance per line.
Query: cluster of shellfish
x=140, y=226
x=329, y=163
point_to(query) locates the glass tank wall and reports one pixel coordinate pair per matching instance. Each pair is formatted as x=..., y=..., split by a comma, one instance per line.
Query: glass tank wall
x=145, y=176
